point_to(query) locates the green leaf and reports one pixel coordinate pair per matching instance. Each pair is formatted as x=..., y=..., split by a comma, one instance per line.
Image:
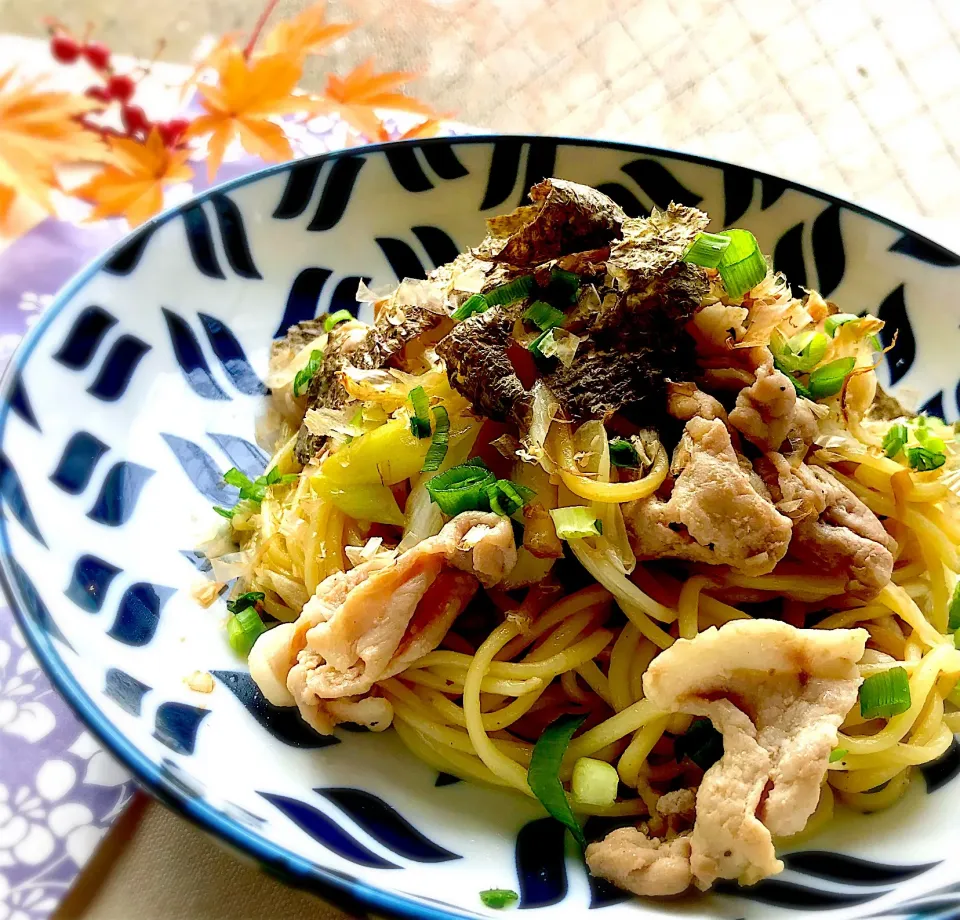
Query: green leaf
x=498, y=898
x=544, y=773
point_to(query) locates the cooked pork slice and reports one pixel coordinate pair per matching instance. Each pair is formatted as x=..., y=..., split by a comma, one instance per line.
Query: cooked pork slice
x=564, y=218
x=717, y=513
x=686, y=400
x=846, y=539
x=794, y=487
x=370, y=623
x=777, y=695
x=641, y=864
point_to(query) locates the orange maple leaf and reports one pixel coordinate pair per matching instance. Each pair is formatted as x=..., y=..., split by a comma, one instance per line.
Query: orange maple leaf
x=358, y=95
x=132, y=184
x=307, y=33
x=241, y=103
x=39, y=131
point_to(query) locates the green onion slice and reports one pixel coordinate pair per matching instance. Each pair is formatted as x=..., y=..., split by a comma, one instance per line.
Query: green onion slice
x=838, y=754
x=534, y=346
x=438, y=446
x=927, y=439
x=543, y=776
x=804, y=351
x=742, y=265
x=307, y=372
x=833, y=323
x=541, y=314
x=243, y=601
x=274, y=477
x=256, y=489
x=707, y=249
x=954, y=622
x=498, y=898
x=894, y=440
x=563, y=287
x=244, y=629
x=477, y=303
x=923, y=459
x=624, y=454
x=334, y=319
x=228, y=513
x=508, y=497
x=701, y=742
x=461, y=488
x=885, y=694
x=828, y=380
x=420, y=420
x=573, y=523
x=510, y=292
x=594, y=782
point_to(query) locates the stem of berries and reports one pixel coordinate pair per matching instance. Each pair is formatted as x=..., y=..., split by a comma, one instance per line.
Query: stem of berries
x=119, y=88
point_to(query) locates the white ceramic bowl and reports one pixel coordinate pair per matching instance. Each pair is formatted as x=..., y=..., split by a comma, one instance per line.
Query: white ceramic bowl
x=139, y=388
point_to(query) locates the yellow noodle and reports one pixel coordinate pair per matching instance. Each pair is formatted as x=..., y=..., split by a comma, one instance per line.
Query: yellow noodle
x=624, y=651
x=876, y=801
x=451, y=681
x=568, y=681
x=634, y=757
x=498, y=762
x=688, y=605
x=921, y=682
x=847, y=618
x=864, y=779
x=818, y=586
x=610, y=730
x=596, y=680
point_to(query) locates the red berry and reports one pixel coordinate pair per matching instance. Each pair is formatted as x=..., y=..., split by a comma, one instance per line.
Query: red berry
x=134, y=119
x=64, y=48
x=97, y=55
x=171, y=131
x=99, y=93
x=121, y=87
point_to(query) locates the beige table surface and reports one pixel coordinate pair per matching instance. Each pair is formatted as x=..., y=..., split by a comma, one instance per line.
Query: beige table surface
x=858, y=97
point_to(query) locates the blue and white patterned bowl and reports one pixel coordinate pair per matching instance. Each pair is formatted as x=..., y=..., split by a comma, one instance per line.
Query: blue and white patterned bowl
x=139, y=388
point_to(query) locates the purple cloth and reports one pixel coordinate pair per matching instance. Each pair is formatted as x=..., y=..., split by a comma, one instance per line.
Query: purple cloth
x=59, y=793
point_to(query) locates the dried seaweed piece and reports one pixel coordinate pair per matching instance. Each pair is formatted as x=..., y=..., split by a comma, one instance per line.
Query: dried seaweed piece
x=650, y=245
x=478, y=363
x=565, y=217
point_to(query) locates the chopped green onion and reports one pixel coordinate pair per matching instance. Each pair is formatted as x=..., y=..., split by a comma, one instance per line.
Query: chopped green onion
x=828, y=380
x=307, y=372
x=894, y=440
x=243, y=601
x=594, y=782
x=838, y=754
x=701, y=742
x=510, y=292
x=541, y=314
x=498, y=898
x=876, y=343
x=885, y=694
x=563, y=287
x=334, y=319
x=438, y=446
x=624, y=454
x=742, y=265
x=833, y=323
x=797, y=384
x=508, y=497
x=924, y=436
x=477, y=303
x=534, y=346
x=228, y=513
x=244, y=629
x=924, y=459
x=956, y=644
x=420, y=420
x=804, y=351
x=255, y=490
x=461, y=488
x=953, y=624
x=707, y=249
x=576, y=522
x=543, y=777
x=273, y=477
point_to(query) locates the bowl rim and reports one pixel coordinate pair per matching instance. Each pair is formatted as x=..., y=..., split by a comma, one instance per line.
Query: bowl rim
x=348, y=893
